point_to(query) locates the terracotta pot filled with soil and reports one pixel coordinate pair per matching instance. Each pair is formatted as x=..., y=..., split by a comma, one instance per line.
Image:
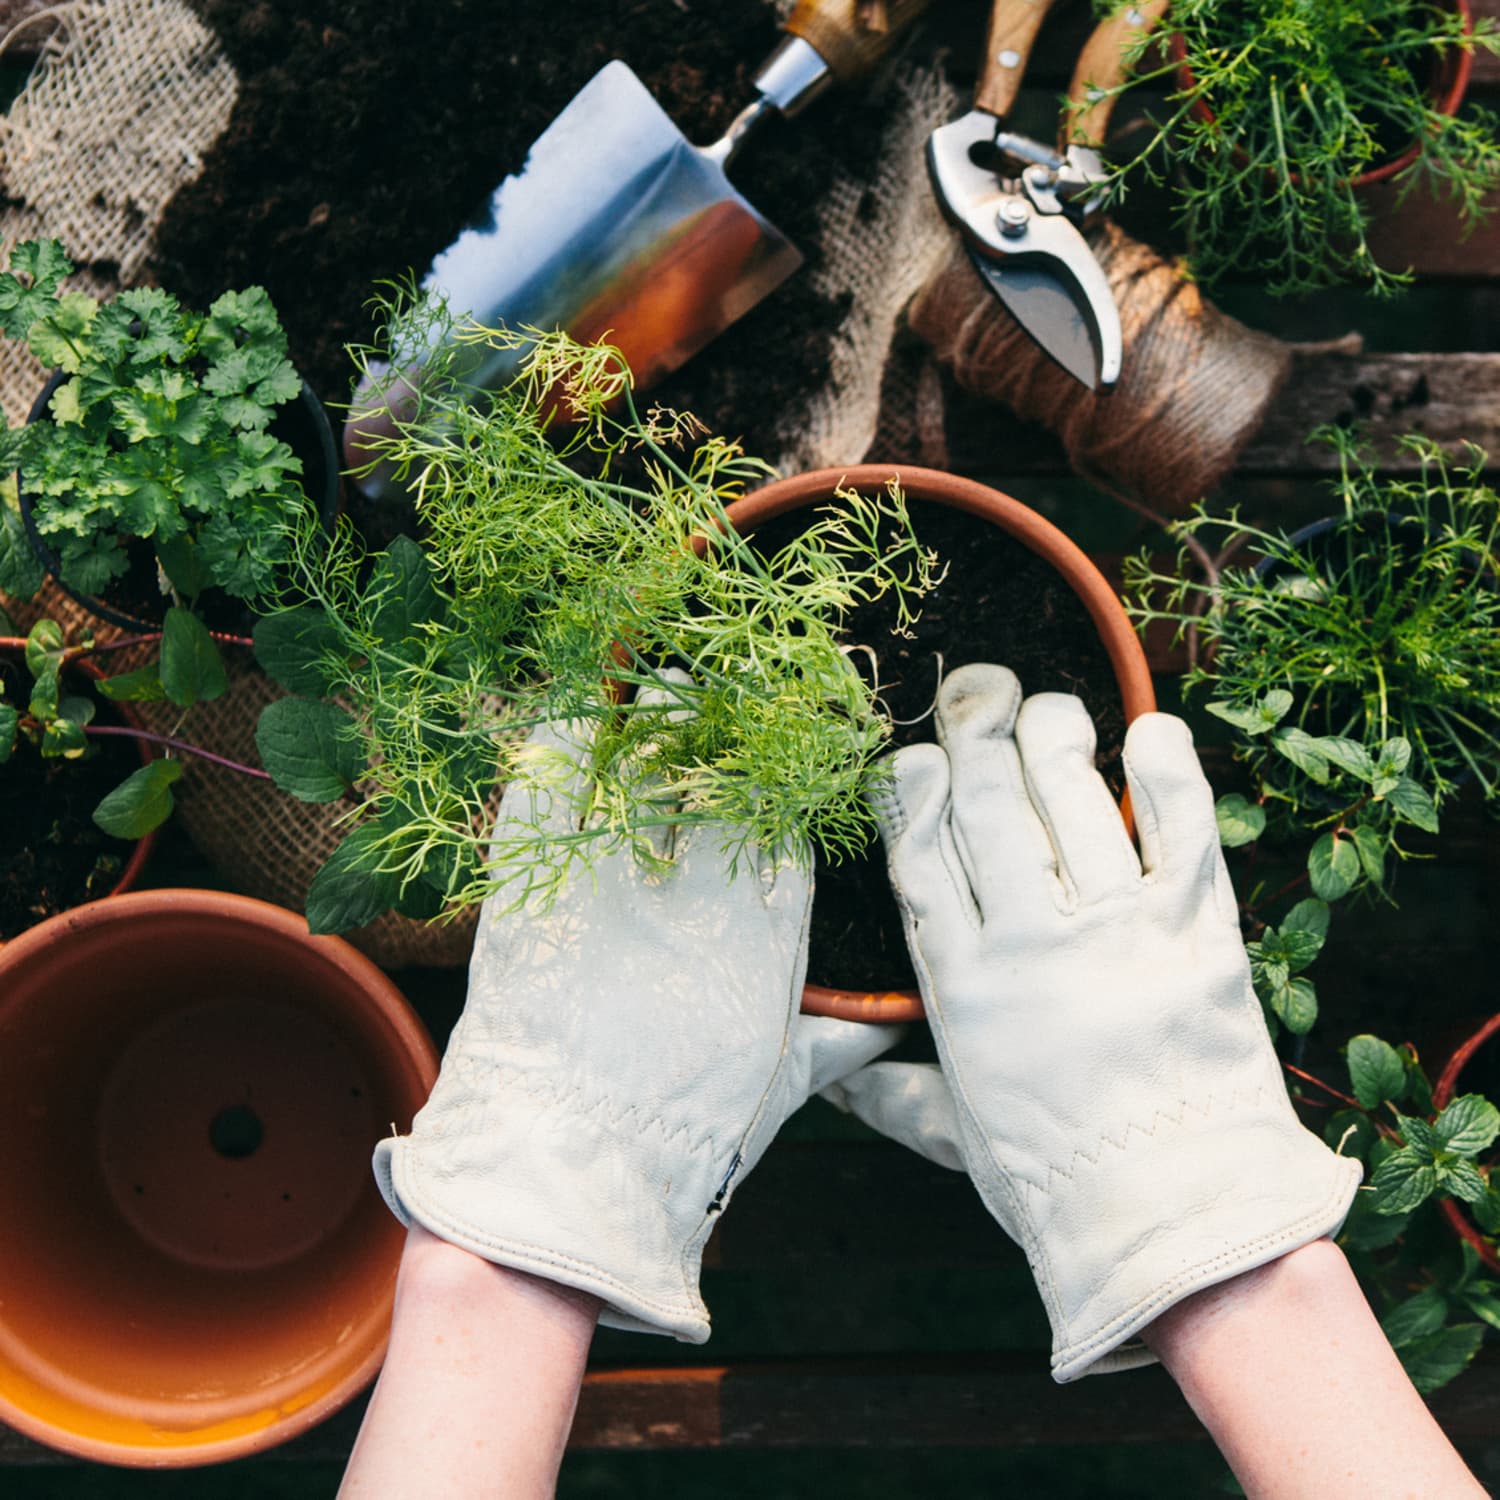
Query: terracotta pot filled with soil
x=1017, y=592
x=52, y=855
x=195, y=1263
x=1474, y=1068
x=1448, y=84
x=135, y=601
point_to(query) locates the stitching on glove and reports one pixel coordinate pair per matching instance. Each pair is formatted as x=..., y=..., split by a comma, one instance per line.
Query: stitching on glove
x=1246, y=1257
x=1245, y=1098
x=488, y=1080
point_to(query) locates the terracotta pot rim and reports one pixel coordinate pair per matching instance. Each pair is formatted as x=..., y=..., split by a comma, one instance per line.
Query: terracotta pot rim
x=1442, y=1092
x=142, y=849
x=1448, y=91
x=383, y=1008
x=1023, y=524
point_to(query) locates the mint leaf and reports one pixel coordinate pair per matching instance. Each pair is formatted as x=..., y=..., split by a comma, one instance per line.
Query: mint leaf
x=1420, y=1315
x=1414, y=805
x=1348, y=755
x=348, y=892
x=1375, y=1071
x=1370, y=846
x=21, y=575
x=1402, y=1181
x=1434, y=1361
x=1486, y=1210
x=1308, y=918
x=141, y=802
x=1333, y=866
x=1469, y=1124
x=402, y=591
x=191, y=668
x=1301, y=749
x=141, y=686
x=1240, y=822
x=9, y=722
x=311, y=749
x=1462, y=1180
x=1295, y=1003
x=294, y=646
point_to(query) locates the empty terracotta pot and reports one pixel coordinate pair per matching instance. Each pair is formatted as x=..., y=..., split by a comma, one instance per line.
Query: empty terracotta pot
x=1026, y=526
x=195, y=1263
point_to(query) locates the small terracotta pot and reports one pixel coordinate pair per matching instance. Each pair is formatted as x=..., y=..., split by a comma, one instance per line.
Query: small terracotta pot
x=195, y=1263
x=1443, y=1091
x=1027, y=527
x=141, y=850
x=1449, y=85
x=302, y=424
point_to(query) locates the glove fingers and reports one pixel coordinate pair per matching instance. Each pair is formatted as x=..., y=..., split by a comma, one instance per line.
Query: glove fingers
x=1056, y=739
x=1173, y=802
x=999, y=837
x=909, y=1102
x=911, y=807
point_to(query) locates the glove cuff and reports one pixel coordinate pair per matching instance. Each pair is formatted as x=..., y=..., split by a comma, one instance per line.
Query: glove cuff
x=595, y=1230
x=1292, y=1190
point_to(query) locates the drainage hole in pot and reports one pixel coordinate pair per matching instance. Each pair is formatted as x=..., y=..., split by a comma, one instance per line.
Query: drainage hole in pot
x=236, y=1131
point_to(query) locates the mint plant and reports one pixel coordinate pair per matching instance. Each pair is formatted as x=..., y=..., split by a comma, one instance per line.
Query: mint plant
x=158, y=434
x=1277, y=106
x=1434, y=1301
x=57, y=724
x=560, y=572
x=1360, y=675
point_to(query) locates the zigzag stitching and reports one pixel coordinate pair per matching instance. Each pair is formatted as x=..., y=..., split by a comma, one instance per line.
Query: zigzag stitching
x=1160, y=1116
x=501, y=1076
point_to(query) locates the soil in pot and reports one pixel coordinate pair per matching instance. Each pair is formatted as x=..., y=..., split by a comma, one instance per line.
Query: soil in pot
x=366, y=133
x=52, y=856
x=999, y=602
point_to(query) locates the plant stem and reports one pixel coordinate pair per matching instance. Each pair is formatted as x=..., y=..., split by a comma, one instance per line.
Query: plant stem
x=175, y=744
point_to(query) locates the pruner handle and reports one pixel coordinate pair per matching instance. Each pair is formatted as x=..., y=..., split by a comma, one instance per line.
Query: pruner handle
x=1102, y=67
x=852, y=36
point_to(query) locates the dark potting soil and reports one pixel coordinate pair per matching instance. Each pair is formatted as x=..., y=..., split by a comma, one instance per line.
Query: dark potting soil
x=366, y=132
x=999, y=602
x=52, y=856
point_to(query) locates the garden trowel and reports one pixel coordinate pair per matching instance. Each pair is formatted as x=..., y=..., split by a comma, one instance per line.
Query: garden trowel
x=619, y=228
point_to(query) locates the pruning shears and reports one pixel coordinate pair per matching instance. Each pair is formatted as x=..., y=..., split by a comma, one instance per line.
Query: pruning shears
x=1021, y=205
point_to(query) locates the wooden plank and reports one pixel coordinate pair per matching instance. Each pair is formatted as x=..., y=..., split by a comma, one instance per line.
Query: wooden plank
x=1452, y=398
x=992, y=1401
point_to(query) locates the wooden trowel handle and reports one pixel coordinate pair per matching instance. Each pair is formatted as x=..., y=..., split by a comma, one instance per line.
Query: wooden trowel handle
x=852, y=36
x=1007, y=46
x=1102, y=67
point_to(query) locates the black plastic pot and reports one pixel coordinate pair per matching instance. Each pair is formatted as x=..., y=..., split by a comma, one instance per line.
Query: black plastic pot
x=302, y=424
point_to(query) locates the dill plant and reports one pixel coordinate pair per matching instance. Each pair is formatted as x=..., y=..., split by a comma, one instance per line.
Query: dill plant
x=1281, y=105
x=561, y=572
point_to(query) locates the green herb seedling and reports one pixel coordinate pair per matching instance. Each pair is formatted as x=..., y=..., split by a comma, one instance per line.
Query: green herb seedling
x=1282, y=105
x=561, y=571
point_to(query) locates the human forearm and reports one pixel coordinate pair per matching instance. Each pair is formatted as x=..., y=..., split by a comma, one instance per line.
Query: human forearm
x=480, y=1384
x=1288, y=1370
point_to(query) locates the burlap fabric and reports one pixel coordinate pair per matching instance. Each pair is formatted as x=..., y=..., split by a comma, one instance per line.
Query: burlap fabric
x=263, y=842
x=1194, y=386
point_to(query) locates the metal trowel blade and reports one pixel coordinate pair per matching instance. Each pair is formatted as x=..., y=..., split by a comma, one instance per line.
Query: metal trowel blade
x=617, y=227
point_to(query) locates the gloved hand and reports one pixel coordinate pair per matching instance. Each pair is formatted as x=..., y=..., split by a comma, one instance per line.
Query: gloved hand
x=623, y=1060
x=1107, y=1078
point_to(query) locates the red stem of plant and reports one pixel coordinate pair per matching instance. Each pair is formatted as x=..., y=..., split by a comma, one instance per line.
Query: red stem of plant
x=1343, y=1098
x=171, y=744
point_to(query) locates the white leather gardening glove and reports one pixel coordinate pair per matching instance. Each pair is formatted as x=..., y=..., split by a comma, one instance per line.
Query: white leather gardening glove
x=623, y=1060
x=1107, y=1078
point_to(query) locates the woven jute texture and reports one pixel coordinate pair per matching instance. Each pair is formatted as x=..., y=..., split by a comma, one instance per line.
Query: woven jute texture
x=881, y=242
x=1194, y=385
x=122, y=104
x=263, y=842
